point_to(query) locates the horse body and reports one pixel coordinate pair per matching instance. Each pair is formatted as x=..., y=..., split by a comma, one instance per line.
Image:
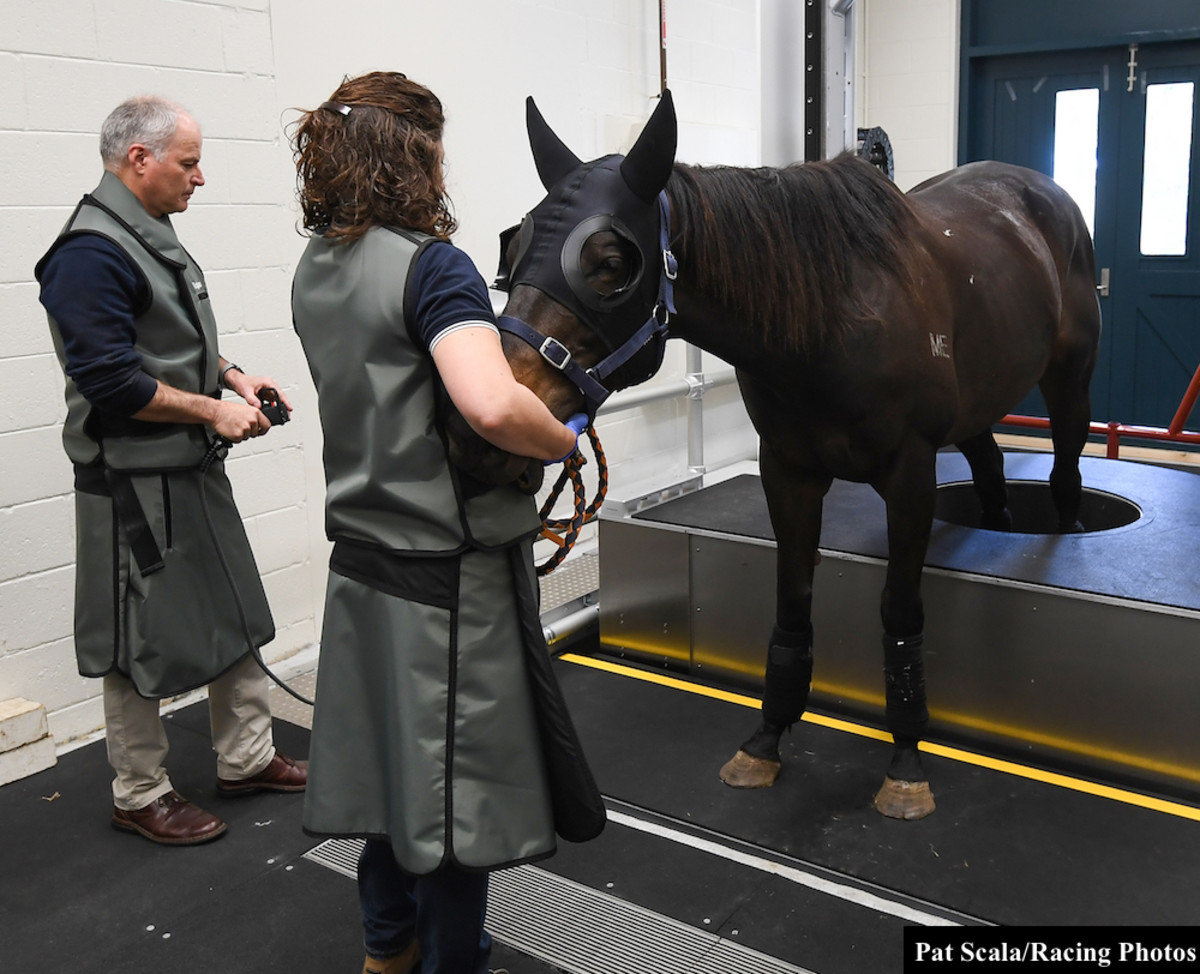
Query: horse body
x=951, y=340
x=868, y=329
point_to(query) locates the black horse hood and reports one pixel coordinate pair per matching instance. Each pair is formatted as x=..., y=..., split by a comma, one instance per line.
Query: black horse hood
x=615, y=193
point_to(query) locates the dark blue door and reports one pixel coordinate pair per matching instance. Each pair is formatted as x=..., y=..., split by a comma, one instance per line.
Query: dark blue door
x=1119, y=127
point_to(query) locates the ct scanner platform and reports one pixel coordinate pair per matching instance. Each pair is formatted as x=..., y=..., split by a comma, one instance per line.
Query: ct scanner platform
x=1079, y=652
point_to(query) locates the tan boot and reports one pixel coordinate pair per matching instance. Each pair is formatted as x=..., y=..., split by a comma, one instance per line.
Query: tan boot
x=403, y=963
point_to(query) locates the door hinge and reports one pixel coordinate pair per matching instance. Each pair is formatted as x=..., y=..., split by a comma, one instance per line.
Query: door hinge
x=1131, y=78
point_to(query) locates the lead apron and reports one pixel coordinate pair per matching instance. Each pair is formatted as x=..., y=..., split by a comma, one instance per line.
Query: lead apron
x=178, y=627
x=425, y=729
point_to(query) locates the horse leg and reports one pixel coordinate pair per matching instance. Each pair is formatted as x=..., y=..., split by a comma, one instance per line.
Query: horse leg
x=987, y=472
x=794, y=504
x=1069, y=406
x=1065, y=387
x=909, y=494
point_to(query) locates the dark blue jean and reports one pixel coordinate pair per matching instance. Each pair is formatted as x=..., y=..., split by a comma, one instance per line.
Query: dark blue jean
x=444, y=911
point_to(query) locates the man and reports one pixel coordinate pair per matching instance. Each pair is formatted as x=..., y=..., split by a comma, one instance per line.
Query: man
x=168, y=597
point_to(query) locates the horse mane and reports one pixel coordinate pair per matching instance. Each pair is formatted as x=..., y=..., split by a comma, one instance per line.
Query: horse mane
x=779, y=247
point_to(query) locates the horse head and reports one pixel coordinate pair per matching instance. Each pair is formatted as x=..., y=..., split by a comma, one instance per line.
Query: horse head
x=588, y=274
x=488, y=465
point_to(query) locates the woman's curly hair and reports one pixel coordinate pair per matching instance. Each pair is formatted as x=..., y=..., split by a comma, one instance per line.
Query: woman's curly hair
x=372, y=156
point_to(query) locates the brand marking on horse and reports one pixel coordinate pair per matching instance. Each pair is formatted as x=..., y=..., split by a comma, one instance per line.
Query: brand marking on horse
x=939, y=346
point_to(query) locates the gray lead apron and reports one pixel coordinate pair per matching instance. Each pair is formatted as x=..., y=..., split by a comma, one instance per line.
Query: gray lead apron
x=183, y=624
x=166, y=592
x=425, y=729
x=438, y=723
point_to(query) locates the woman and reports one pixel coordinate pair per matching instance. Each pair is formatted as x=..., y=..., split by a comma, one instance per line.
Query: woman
x=430, y=738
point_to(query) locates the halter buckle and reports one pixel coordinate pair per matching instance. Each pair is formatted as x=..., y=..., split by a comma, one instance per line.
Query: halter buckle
x=551, y=347
x=670, y=265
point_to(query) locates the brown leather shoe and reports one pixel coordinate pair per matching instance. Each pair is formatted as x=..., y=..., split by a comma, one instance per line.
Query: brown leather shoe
x=403, y=963
x=170, y=820
x=282, y=774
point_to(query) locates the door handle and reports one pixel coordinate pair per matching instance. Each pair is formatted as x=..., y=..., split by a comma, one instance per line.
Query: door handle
x=1102, y=287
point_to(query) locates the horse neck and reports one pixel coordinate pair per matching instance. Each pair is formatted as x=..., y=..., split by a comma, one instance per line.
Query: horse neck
x=724, y=308
x=769, y=258
x=700, y=321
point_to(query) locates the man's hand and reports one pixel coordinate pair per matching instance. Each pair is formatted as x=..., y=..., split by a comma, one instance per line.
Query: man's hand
x=247, y=387
x=237, y=421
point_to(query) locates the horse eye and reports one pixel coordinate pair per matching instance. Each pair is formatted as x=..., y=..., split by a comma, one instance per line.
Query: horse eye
x=605, y=264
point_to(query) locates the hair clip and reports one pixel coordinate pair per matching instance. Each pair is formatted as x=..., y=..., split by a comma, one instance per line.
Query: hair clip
x=335, y=106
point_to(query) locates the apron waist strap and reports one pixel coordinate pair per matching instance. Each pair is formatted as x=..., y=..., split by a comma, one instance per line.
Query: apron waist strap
x=118, y=485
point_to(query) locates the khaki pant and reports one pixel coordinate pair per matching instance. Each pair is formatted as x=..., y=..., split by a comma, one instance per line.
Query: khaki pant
x=137, y=742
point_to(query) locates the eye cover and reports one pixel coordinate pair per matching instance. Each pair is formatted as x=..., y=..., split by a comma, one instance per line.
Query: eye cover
x=523, y=232
x=572, y=251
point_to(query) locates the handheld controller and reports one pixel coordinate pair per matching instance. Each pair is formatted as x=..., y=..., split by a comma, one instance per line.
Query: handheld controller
x=271, y=407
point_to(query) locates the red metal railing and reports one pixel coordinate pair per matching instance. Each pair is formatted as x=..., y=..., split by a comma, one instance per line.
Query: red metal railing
x=1113, y=432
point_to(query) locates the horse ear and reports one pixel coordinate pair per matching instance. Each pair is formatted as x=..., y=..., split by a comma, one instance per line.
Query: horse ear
x=552, y=158
x=647, y=166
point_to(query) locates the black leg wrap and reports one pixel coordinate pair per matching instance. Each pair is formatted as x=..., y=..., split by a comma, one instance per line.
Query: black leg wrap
x=904, y=677
x=788, y=678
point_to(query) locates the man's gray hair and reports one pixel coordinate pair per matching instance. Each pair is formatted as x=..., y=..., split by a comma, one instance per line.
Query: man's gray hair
x=147, y=119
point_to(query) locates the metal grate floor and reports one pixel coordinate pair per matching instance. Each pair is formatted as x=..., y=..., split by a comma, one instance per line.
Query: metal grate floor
x=286, y=707
x=575, y=579
x=583, y=931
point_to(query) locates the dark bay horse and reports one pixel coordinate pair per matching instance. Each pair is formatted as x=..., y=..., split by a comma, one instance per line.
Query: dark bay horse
x=868, y=328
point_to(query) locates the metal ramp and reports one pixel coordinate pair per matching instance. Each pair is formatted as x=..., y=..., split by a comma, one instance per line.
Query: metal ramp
x=586, y=931
x=1075, y=651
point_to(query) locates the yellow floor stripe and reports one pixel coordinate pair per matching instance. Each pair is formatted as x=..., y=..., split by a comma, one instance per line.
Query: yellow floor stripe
x=953, y=753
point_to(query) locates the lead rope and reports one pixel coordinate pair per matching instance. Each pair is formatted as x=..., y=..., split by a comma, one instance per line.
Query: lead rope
x=570, y=527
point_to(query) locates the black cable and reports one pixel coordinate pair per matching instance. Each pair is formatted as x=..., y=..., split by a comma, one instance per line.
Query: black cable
x=237, y=598
x=218, y=450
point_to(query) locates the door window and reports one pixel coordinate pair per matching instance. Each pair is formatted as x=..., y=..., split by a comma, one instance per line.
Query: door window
x=1076, y=130
x=1166, y=169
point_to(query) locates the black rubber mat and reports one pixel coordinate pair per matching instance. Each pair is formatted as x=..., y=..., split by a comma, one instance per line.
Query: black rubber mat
x=80, y=896
x=1001, y=848
x=1139, y=560
x=735, y=506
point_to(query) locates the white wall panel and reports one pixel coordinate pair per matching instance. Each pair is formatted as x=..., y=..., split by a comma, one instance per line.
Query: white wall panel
x=908, y=81
x=64, y=28
x=39, y=536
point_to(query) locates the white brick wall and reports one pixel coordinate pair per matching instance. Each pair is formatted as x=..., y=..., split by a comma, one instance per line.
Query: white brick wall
x=908, y=82
x=241, y=67
x=66, y=63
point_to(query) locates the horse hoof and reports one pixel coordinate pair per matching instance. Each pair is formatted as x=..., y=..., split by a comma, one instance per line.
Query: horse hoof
x=907, y=800
x=996, y=520
x=746, y=771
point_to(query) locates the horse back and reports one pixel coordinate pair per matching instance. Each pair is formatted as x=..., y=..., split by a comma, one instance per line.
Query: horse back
x=1014, y=256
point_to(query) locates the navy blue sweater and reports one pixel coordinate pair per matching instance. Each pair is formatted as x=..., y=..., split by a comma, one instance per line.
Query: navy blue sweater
x=93, y=292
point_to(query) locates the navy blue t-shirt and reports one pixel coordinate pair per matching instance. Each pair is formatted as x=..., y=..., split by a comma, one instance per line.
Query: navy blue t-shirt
x=447, y=293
